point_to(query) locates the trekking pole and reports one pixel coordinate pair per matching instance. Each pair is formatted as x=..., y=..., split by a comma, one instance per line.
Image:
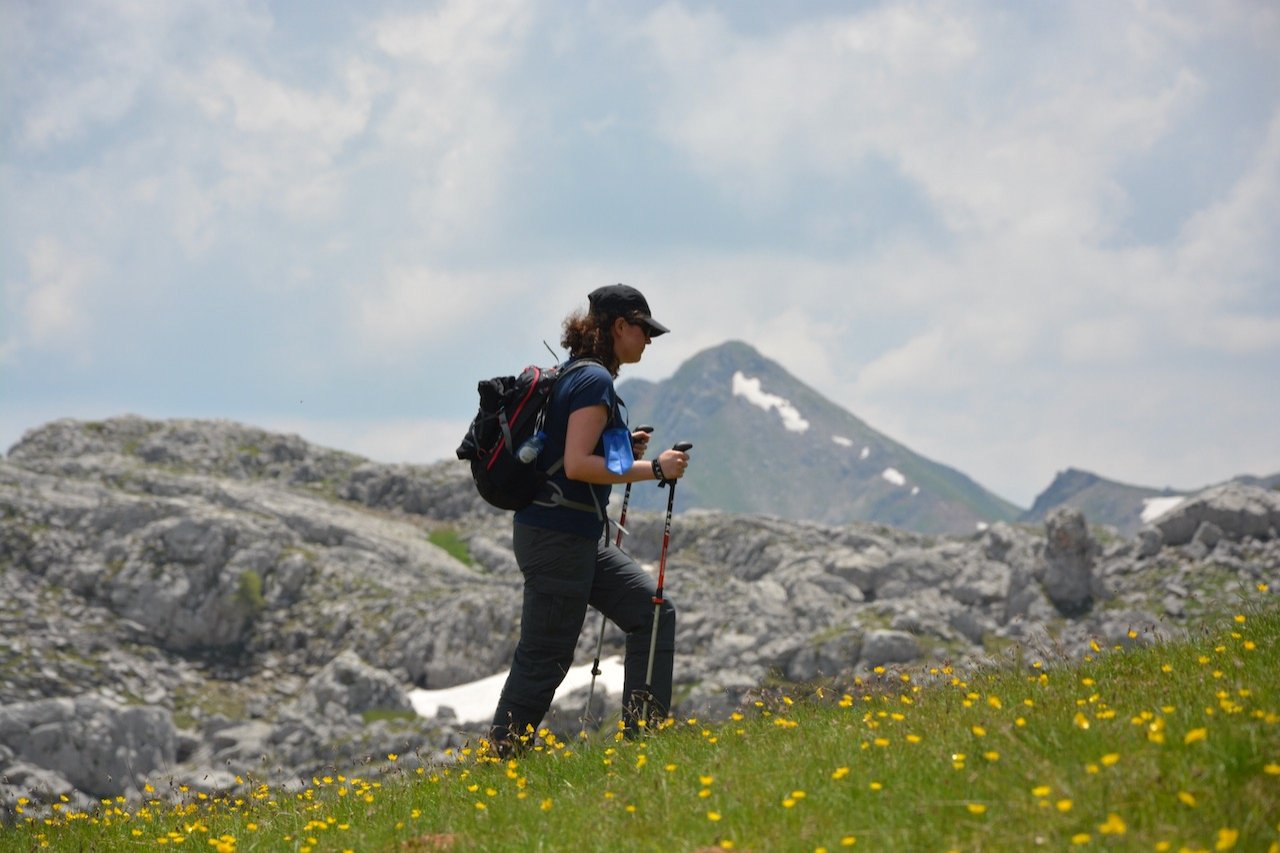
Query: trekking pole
x=595, y=665
x=658, y=601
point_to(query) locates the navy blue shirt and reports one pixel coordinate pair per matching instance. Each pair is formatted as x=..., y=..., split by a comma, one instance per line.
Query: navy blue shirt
x=590, y=385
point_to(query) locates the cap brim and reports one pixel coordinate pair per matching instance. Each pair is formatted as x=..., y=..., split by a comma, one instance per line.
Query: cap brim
x=655, y=328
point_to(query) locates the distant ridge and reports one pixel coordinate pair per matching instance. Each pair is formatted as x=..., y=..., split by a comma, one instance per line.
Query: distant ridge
x=1119, y=505
x=766, y=443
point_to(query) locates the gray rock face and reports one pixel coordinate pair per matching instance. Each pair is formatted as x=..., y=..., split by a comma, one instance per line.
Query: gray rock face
x=347, y=685
x=267, y=594
x=1238, y=512
x=1069, y=557
x=884, y=647
x=98, y=746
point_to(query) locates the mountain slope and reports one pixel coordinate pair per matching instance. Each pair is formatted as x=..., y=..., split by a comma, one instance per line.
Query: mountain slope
x=1120, y=505
x=764, y=442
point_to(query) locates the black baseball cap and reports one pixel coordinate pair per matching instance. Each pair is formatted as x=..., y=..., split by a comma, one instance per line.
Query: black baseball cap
x=622, y=300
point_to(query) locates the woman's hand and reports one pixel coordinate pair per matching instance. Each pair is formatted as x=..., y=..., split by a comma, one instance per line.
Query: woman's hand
x=674, y=463
x=640, y=442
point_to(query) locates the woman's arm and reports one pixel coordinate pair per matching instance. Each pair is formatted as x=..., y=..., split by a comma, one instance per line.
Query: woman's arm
x=582, y=463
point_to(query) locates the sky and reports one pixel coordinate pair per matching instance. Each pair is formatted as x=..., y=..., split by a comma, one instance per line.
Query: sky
x=1015, y=237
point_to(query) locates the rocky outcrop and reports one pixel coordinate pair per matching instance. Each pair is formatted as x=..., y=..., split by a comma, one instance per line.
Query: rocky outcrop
x=347, y=685
x=101, y=748
x=1233, y=512
x=1069, y=557
x=214, y=600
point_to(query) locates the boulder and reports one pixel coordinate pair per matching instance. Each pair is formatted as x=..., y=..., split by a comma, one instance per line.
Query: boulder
x=880, y=647
x=829, y=656
x=1238, y=511
x=1068, y=561
x=348, y=685
x=102, y=748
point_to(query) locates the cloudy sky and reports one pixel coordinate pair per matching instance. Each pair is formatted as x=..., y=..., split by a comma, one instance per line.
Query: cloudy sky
x=1016, y=237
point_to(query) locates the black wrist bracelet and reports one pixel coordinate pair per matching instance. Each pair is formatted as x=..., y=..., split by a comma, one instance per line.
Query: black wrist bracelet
x=657, y=470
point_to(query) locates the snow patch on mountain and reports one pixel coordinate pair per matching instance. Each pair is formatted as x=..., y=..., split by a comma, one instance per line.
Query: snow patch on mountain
x=842, y=441
x=749, y=388
x=893, y=475
x=1153, y=508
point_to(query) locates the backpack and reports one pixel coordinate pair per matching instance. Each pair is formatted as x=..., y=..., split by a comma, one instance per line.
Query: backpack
x=511, y=411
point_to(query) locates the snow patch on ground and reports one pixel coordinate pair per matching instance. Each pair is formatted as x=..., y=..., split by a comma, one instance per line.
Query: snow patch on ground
x=866, y=451
x=1153, y=508
x=842, y=441
x=893, y=475
x=749, y=388
x=476, y=701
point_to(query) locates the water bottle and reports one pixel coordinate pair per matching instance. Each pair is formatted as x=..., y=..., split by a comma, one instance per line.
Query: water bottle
x=530, y=449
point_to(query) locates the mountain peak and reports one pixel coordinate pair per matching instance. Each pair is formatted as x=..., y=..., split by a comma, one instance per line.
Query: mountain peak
x=767, y=443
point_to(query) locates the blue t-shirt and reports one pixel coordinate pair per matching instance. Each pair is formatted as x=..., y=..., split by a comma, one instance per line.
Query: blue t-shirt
x=590, y=385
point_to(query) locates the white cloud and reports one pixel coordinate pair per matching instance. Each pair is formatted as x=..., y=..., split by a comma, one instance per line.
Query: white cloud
x=106, y=57
x=456, y=34
x=52, y=305
x=391, y=441
x=412, y=309
x=446, y=129
x=278, y=145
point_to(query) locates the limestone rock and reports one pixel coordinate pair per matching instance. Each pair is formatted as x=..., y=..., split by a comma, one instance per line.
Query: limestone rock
x=1238, y=511
x=347, y=685
x=100, y=747
x=1069, y=558
x=880, y=647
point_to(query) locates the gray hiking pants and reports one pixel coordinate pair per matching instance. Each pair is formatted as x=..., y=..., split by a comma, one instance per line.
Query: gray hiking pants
x=563, y=574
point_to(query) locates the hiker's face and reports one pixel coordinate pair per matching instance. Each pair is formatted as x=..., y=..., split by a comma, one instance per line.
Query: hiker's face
x=629, y=340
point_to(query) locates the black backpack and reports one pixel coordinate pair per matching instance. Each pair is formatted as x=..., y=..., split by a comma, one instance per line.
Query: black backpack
x=511, y=411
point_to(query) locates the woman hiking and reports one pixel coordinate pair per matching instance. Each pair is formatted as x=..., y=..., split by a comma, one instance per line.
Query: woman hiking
x=562, y=541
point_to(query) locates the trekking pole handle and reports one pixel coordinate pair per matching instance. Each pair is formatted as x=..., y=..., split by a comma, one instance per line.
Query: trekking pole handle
x=681, y=446
x=644, y=428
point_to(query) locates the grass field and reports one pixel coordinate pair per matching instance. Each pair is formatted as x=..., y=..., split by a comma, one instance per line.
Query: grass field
x=1173, y=747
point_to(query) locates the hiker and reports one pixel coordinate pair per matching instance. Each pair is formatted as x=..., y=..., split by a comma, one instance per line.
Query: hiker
x=561, y=540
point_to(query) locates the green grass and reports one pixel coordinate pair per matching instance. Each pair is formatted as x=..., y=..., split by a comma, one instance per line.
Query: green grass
x=1173, y=747
x=453, y=544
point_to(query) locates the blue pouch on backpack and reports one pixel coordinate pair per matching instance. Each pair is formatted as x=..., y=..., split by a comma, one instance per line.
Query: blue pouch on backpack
x=618, y=457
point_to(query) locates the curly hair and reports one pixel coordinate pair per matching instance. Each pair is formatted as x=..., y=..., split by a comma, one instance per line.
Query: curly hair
x=590, y=335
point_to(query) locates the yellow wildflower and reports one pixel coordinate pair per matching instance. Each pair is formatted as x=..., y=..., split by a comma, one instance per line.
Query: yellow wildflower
x=1226, y=838
x=1114, y=825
